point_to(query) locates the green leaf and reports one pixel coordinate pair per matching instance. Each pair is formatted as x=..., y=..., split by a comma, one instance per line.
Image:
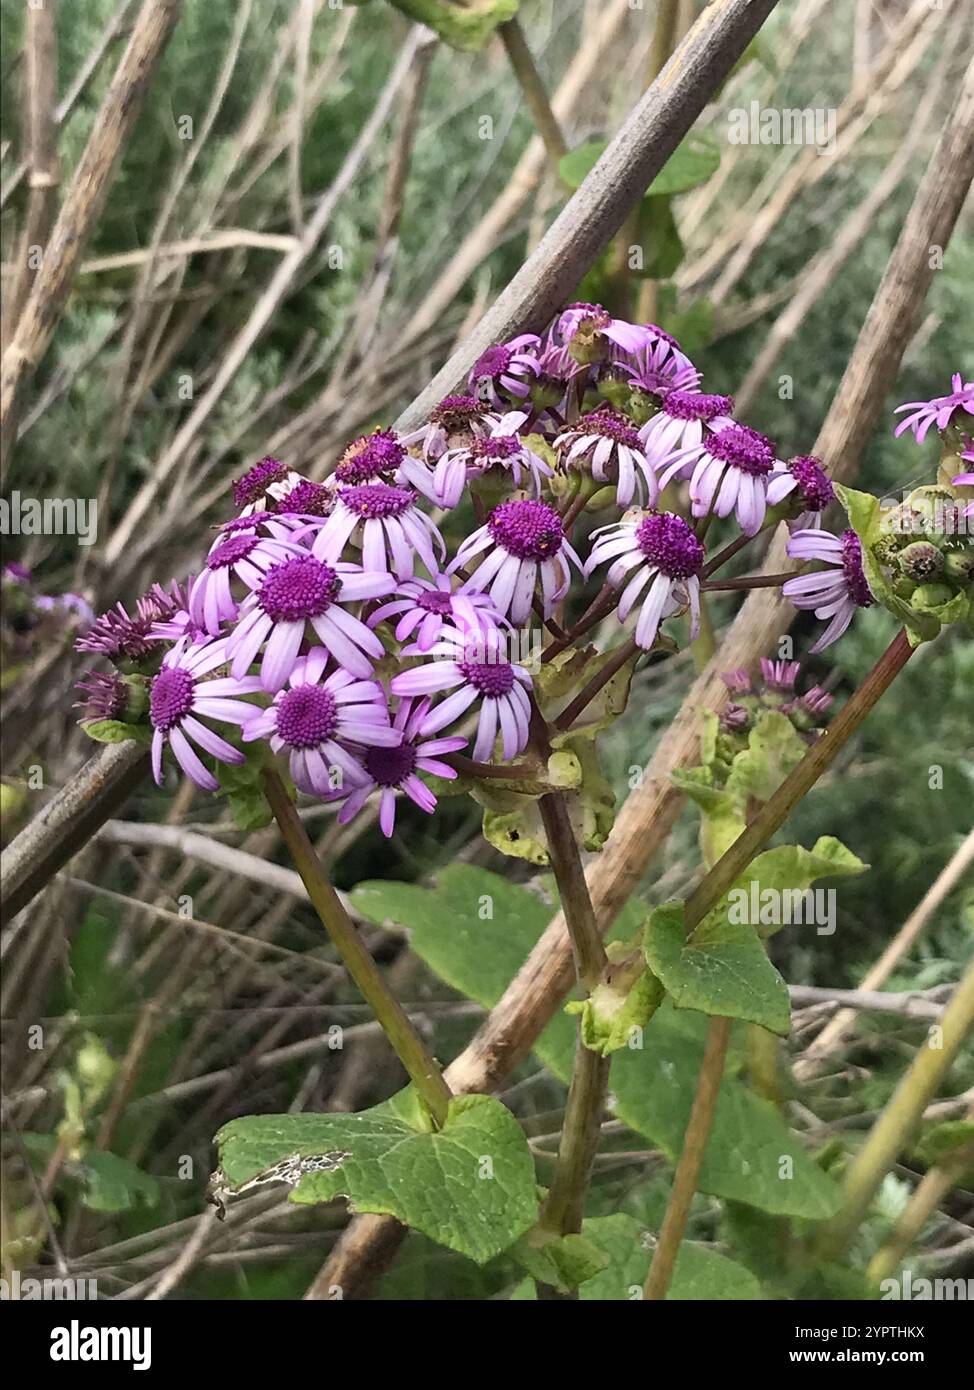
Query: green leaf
x=722, y=968
x=699, y=1274
x=117, y=731
x=752, y=1156
x=790, y=868
x=470, y=1187
x=112, y=1183
x=774, y=748
x=693, y=162
x=564, y=1262
x=951, y=1141
x=241, y=785
x=467, y=26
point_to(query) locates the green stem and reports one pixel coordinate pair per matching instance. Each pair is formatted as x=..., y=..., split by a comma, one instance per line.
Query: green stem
x=536, y=95
x=798, y=783
x=691, y=1160
x=891, y=1132
x=708, y=893
x=406, y=1042
x=587, y=694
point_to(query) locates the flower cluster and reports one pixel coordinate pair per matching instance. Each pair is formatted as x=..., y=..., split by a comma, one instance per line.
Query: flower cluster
x=346, y=627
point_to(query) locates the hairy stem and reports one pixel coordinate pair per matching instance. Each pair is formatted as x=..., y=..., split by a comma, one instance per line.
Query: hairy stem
x=395, y=1023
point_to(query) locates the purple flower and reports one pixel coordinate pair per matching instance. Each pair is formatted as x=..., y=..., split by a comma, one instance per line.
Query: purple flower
x=528, y=540
x=178, y=697
x=316, y=720
x=505, y=371
x=123, y=638
x=658, y=549
x=428, y=605
x=456, y=420
x=833, y=593
x=261, y=487
x=623, y=340
x=371, y=458
x=392, y=770
x=612, y=444
x=386, y=523
x=299, y=593
x=474, y=667
x=501, y=447
x=660, y=365
x=682, y=423
x=730, y=472
x=737, y=681
x=305, y=499
x=779, y=675
x=813, y=485
x=938, y=411
x=106, y=696
x=244, y=554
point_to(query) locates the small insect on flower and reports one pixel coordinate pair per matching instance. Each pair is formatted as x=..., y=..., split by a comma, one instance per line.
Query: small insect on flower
x=320, y=722
x=528, y=543
x=391, y=770
x=658, y=549
x=474, y=667
x=834, y=593
x=180, y=696
x=302, y=593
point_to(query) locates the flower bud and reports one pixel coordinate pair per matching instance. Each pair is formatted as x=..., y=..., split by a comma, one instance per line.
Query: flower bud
x=959, y=565
x=931, y=595
x=921, y=561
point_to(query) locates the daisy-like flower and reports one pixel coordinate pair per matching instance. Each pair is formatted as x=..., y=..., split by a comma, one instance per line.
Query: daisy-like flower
x=939, y=411
x=371, y=458
x=730, y=473
x=387, y=524
x=121, y=637
x=501, y=447
x=305, y=499
x=389, y=770
x=211, y=600
x=474, y=667
x=505, y=371
x=590, y=333
x=611, y=444
x=682, y=423
x=180, y=697
x=456, y=420
x=262, y=486
x=834, y=593
x=658, y=549
x=526, y=540
x=425, y=606
x=779, y=675
x=301, y=593
x=660, y=365
x=320, y=722
x=806, y=476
